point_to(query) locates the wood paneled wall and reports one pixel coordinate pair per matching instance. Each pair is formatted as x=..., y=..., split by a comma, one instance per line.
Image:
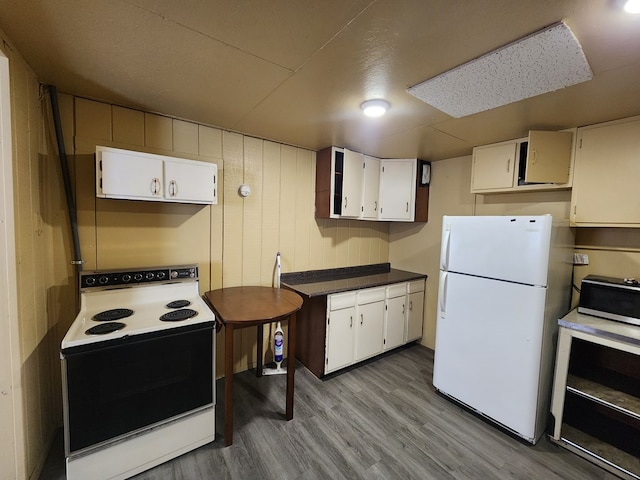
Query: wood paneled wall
x=235, y=242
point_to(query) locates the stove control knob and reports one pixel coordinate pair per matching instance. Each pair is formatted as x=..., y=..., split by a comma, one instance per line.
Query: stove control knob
x=137, y=277
x=160, y=275
x=174, y=274
x=90, y=281
x=103, y=280
x=149, y=276
x=126, y=277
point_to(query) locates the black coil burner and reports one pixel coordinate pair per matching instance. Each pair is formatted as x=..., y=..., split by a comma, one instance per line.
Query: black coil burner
x=178, y=304
x=105, y=328
x=178, y=315
x=111, y=315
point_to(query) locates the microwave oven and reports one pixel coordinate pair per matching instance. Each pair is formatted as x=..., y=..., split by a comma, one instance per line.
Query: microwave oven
x=613, y=298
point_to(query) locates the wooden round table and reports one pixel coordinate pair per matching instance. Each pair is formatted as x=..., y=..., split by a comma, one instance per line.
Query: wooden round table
x=241, y=307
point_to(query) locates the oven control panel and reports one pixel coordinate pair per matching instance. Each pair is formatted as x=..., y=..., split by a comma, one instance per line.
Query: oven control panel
x=121, y=278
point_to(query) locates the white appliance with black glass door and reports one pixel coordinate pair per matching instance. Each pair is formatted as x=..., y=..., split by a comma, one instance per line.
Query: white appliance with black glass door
x=504, y=282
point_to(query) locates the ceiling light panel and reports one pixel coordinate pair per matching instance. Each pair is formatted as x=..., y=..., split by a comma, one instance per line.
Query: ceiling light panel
x=543, y=62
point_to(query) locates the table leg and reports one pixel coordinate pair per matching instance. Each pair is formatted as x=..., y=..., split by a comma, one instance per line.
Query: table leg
x=228, y=385
x=291, y=364
x=259, y=336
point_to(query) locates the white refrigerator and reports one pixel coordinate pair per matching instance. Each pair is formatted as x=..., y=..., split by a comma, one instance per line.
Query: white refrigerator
x=504, y=281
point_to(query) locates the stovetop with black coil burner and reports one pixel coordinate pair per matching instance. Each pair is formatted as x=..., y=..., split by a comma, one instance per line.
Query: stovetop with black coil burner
x=121, y=303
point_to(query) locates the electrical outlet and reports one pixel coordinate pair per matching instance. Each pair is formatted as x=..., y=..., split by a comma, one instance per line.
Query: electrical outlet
x=580, y=259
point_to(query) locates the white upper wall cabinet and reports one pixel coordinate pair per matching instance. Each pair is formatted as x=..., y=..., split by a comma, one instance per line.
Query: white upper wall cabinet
x=129, y=175
x=353, y=185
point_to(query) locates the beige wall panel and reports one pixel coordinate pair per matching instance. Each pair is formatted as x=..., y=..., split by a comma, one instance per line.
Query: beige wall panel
x=210, y=142
x=316, y=245
x=354, y=243
x=185, y=137
x=416, y=247
x=252, y=212
x=270, y=212
x=86, y=201
x=128, y=126
x=304, y=207
x=233, y=209
x=342, y=243
x=158, y=131
x=557, y=203
x=366, y=232
x=287, y=205
x=93, y=119
x=329, y=231
x=140, y=234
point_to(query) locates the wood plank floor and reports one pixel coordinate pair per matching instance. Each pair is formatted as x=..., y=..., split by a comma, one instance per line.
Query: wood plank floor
x=381, y=420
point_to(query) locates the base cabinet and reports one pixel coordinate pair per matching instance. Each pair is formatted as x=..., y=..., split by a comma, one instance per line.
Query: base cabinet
x=596, y=399
x=342, y=329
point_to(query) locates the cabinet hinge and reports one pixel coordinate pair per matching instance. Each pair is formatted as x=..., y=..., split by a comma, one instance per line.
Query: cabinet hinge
x=363, y=165
x=326, y=362
x=384, y=341
x=580, y=146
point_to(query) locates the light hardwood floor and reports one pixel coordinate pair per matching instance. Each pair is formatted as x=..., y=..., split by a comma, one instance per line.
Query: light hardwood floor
x=381, y=420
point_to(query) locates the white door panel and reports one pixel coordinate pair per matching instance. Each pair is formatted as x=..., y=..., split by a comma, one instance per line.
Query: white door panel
x=488, y=347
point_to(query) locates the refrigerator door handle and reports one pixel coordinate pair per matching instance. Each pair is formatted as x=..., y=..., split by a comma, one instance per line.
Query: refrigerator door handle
x=442, y=293
x=444, y=252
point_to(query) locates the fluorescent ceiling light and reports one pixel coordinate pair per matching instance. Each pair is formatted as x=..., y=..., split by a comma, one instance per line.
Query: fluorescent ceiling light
x=375, y=108
x=543, y=62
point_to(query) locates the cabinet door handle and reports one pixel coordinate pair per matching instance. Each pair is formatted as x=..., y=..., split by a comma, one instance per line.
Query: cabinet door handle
x=410, y=305
x=173, y=188
x=350, y=321
x=403, y=308
x=508, y=164
x=155, y=186
x=361, y=318
x=375, y=206
x=345, y=203
x=407, y=207
x=534, y=160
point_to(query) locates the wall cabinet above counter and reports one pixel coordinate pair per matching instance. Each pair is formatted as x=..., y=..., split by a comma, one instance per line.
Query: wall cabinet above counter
x=130, y=175
x=541, y=161
x=352, y=185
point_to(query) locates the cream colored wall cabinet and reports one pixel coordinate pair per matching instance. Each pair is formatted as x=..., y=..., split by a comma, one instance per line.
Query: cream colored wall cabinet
x=371, y=188
x=596, y=393
x=415, y=295
x=129, y=175
x=607, y=174
x=541, y=161
x=353, y=184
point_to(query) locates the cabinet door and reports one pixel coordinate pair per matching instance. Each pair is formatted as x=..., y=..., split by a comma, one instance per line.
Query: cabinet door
x=340, y=335
x=414, y=316
x=371, y=188
x=352, y=184
x=493, y=166
x=369, y=330
x=607, y=169
x=190, y=182
x=394, y=316
x=397, y=189
x=128, y=175
x=548, y=157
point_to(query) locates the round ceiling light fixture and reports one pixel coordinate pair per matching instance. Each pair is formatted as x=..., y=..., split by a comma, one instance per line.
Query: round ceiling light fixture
x=375, y=108
x=632, y=6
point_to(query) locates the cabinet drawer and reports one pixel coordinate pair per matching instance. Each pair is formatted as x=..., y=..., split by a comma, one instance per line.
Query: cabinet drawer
x=415, y=286
x=370, y=295
x=396, y=290
x=338, y=301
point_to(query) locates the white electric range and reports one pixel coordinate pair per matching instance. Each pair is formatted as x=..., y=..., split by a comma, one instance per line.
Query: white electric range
x=138, y=371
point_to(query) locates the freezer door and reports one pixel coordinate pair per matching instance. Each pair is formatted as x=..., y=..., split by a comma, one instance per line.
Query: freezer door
x=512, y=248
x=488, y=348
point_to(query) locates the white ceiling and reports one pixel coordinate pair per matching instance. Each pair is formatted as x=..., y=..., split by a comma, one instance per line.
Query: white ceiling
x=295, y=71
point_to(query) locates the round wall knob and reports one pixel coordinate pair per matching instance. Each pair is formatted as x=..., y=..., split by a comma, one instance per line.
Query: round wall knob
x=244, y=191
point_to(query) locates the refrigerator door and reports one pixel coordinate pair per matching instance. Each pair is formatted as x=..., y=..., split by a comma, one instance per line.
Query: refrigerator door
x=514, y=248
x=488, y=348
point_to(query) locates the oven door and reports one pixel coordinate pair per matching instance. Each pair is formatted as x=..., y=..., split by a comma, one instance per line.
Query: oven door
x=118, y=387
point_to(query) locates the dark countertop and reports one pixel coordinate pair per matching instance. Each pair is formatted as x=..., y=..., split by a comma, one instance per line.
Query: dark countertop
x=314, y=283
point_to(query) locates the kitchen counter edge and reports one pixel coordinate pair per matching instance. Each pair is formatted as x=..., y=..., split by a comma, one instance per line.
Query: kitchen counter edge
x=619, y=331
x=315, y=283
